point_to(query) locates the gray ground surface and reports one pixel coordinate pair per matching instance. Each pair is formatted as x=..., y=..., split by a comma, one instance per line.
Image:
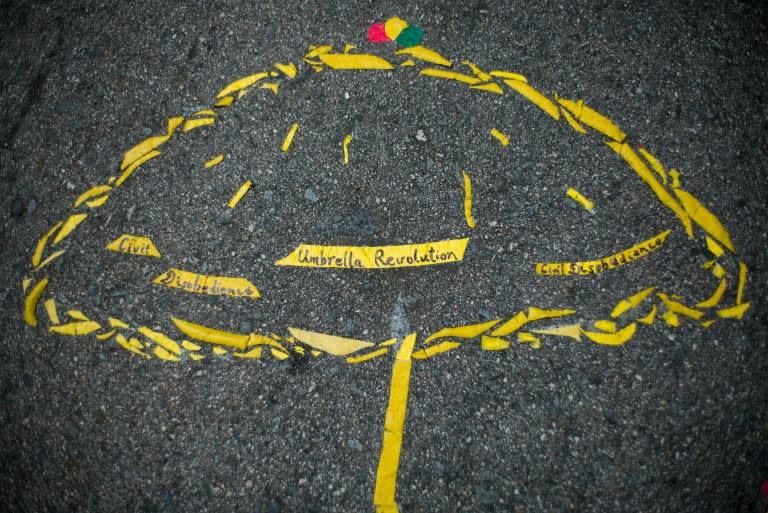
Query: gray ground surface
x=674, y=420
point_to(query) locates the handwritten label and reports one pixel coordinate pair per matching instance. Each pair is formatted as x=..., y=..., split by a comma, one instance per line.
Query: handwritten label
x=376, y=257
x=210, y=285
x=604, y=264
x=134, y=245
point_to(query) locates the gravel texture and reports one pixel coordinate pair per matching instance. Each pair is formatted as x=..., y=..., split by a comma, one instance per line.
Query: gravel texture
x=673, y=420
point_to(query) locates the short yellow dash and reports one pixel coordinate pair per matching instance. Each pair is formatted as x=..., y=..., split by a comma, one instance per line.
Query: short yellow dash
x=225, y=102
x=50, y=307
x=92, y=193
x=493, y=343
x=509, y=75
x=272, y=86
x=288, y=69
x=69, y=225
x=51, y=258
x=96, y=203
x=367, y=356
x=239, y=194
x=191, y=124
x=468, y=200
x=289, y=138
x=134, y=165
x=37, y=256
x=345, y=147
x=503, y=139
x=218, y=159
x=428, y=352
x=580, y=199
x=742, y=282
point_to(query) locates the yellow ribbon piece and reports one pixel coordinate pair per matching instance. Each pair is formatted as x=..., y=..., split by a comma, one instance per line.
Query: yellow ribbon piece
x=612, y=339
x=468, y=200
x=337, y=346
x=571, y=331
x=161, y=340
x=655, y=164
x=92, y=193
x=704, y=218
x=679, y=308
x=734, y=312
x=211, y=335
x=593, y=119
x=469, y=331
x=650, y=317
x=242, y=83
x=51, y=258
x=150, y=143
x=394, y=421
x=715, y=298
x=134, y=165
x=606, y=325
x=580, y=199
x=493, y=344
x=742, y=282
x=134, y=245
x=606, y=263
x=376, y=257
x=239, y=194
x=574, y=124
x=126, y=344
x=345, y=148
x=425, y=54
x=31, y=301
x=210, y=285
x=491, y=87
x=428, y=352
x=191, y=124
x=289, y=137
x=218, y=159
x=631, y=302
x=79, y=328
x=38, y=254
x=367, y=356
x=535, y=97
x=50, y=308
x=625, y=151
x=503, y=139
x=508, y=75
x=288, y=70
x=450, y=75
x=69, y=225
x=354, y=61
x=225, y=102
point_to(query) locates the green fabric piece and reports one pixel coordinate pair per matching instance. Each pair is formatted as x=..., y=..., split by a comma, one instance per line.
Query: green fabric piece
x=410, y=36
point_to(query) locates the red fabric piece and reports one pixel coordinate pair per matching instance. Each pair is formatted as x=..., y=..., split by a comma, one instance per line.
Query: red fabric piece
x=376, y=34
x=764, y=488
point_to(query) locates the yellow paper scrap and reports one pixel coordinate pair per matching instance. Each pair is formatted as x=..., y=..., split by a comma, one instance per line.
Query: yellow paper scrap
x=493, y=343
x=485, y=77
x=151, y=143
x=219, y=351
x=394, y=421
x=388, y=342
x=50, y=308
x=354, y=61
x=428, y=352
x=97, y=202
x=376, y=257
x=239, y=194
x=78, y=315
x=38, y=254
x=280, y=355
x=205, y=112
x=508, y=74
x=196, y=356
x=535, y=97
x=106, y=335
x=425, y=54
x=345, y=148
x=571, y=331
x=289, y=137
x=211, y=335
x=605, y=325
x=631, y=302
x=708, y=264
x=238, y=85
x=718, y=271
x=272, y=86
x=742, y=282
x=450, y=75
x=511, y=325
x=287, y=69
x=210, y=285
x=606, y=263
x=468, y=200
x=218, y=159
x=655, y=164
x=580, y=199
x=190, y=346
x=734, y=312
x=679, y=308
x=671, y=318
x=367, y=356
x=625, y=151
x=528, y=338
x=25, y=283
x=191, y=124
x=253, y=353
x=117, y=323
x=491, y=87
x=91, y=193
x=134, y=245
x=337, y=346
x=31, y=301
x=134, y=165
x=126, y=345
x=705, y=218
x=254, y=339
x=714, y=299
x=649, y=318
x=69, y=225
x=160, y=340
x=315, y=51
x=535, y=314
x=468, y=331
x=714, y=247
x=707, y=324
x=407, y=62
x=612, y=339
x=393, y=26
x=593, y=119
x=574, y=124
x=225, y=102
x=79, y=328
x=503, y=139
x=53, y=256
x=164, y=354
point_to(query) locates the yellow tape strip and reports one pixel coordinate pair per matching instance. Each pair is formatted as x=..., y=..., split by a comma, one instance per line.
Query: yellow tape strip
x=535, y=97
x=468, y=200
x=218, y=159
x=337, y=346
x=134, y=245
x=503, y=139
x=425, y=54
x=90, y=193
x=31, y=301
x=68, y=226
x=134, y=165
x=211, y=335
x=197, y=123
x=38, y=254
x=580, y=199
x=289, y=137
x=287, y=69
x=705, y=218
x=428, y=352
x=742, y=282
x=493, y=343
x=612, y=339
x=655, y=164
x=606, y=263
x=394, y=421
x=571, y=331
x=714, y=299
x=354, y=61
x=734, y=312
x=469, y=331
x=210, y=285
x=631, y=302
x=450, y=75
x=242, y=83
x=150, y=143
x=345, y=148
x=376, y=257
x=239, y=194
x=509, y=75
x=367, y=356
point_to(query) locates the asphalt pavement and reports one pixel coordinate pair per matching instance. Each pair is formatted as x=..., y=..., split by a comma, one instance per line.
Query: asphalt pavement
x=254, y=260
